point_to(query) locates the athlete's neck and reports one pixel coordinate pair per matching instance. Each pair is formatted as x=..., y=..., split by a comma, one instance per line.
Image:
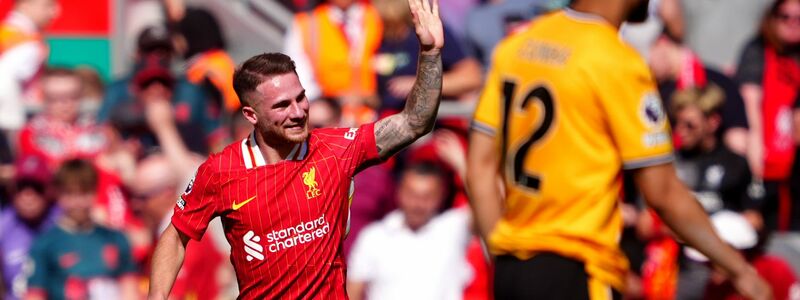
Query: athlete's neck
x=613, y=11
x=273, y=153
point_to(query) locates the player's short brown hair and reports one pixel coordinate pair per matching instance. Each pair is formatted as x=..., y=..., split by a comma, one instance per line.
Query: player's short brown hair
x=253, y=72
x=708, y=99
x=76, y=176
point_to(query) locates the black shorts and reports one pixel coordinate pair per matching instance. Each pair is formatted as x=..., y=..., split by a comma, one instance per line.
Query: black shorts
x=545, y=276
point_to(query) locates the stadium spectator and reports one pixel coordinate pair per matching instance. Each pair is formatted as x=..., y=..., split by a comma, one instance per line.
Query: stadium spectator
x=735, y=230
x=333, y=47
x=677, y=68
x=202, y=44
x=93, y=89
x=77, y=258
x=60, y=132
x=324, y=113
x=718, y=177
x=414, y=252
x=769, y=73
x=30, y=214
x=205, y=273
x=492, y=21
x=717, y=31
x=153, y=41
x=23, y=53
x=154, y=81
x=396, y=59
x=122, y=105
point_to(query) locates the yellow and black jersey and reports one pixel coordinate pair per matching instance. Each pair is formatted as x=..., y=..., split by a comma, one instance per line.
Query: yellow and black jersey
x=569, y=106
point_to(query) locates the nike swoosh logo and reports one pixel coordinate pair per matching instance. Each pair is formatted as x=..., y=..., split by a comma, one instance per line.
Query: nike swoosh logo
x=236, y=206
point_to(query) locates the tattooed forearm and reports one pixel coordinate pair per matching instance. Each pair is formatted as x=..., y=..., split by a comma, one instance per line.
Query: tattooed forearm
x=417, y=118
x=423, y=101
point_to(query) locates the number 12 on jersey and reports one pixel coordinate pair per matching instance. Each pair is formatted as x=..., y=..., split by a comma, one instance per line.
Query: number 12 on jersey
x=538, y=94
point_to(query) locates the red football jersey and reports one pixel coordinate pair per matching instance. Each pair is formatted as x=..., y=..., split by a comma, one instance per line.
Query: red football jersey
x=285, y=222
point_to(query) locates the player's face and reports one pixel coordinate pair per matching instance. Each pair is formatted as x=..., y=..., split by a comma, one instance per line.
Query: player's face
x=280, y=109
x=419, y=197
x=691, y=126
x=639, y=12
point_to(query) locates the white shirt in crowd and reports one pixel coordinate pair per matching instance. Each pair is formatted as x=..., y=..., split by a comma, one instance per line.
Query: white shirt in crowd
x=18, y=66
x=397, y=263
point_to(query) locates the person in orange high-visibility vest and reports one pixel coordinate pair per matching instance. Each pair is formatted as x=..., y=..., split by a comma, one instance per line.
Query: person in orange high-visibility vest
x=333, y=47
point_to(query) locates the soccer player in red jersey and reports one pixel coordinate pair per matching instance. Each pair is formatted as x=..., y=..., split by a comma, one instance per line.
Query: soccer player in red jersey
x=283, y=192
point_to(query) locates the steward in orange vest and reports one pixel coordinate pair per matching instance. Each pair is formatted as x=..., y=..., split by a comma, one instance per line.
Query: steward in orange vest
x=342, y=64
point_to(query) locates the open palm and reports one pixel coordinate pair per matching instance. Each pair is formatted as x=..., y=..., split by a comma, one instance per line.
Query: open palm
x=427, y=24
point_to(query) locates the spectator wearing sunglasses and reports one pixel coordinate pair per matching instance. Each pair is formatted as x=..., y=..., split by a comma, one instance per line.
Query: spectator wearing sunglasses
x=717, y=176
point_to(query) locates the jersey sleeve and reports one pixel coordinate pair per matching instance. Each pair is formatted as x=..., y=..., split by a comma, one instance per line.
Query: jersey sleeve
x=487, y=117
x=634, y=112
x=199, y=203
x=355, y=148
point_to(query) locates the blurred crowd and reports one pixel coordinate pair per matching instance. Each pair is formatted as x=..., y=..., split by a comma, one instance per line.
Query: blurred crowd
x=90, y=170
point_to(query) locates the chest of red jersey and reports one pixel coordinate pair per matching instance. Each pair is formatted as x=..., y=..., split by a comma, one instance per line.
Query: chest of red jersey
x=293, y=204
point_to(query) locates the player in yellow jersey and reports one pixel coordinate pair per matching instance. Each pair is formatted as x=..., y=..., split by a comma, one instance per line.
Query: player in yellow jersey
x=566, y=106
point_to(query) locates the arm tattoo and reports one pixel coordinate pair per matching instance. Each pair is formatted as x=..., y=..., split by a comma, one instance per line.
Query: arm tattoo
x=417, y=118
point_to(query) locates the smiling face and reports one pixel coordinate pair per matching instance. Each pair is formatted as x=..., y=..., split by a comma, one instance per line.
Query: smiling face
x=279, y=109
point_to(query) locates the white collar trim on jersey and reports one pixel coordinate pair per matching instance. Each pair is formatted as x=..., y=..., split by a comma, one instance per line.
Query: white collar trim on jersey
x=582, y=16
x=252, y=154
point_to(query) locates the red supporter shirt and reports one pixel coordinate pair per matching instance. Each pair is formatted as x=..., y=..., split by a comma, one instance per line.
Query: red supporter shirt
x=285, y=222
x=775, y=271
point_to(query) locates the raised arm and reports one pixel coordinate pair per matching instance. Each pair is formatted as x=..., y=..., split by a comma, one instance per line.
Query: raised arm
x=417, y=118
